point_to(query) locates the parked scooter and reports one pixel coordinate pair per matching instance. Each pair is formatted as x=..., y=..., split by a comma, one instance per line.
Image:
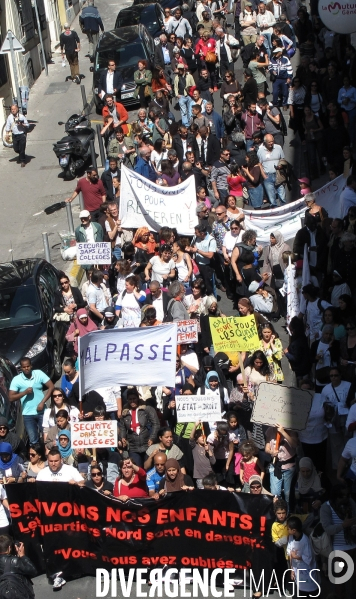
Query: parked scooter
x=73, y=150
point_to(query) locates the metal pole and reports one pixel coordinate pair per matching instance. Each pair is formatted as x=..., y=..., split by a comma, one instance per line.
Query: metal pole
x=40, y=36
x=70, y=218
x=14, y=68
x=84, y=98
x=46, y=247
x=93, y=155
x=81, y=201
x=101, y=146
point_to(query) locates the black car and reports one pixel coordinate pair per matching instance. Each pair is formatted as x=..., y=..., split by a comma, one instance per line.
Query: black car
x=126, y=46
x=149, y=15
x=27, y=327
x=10, y=410
x=164, y=3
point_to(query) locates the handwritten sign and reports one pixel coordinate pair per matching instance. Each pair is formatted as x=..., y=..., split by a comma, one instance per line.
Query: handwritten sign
x=288, y=406
x=187, y=331
x=94, y=253
x=101, y=433
x=191, y=408
x=234, y=333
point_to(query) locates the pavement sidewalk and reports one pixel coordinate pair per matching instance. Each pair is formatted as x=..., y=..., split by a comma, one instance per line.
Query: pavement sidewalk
x=26, y=192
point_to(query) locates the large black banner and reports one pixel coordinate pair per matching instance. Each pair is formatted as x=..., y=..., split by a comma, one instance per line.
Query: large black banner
x=81, y=530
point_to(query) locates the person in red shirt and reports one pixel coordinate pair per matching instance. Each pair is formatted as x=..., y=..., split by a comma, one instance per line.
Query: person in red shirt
x=132, y=482
x=93, y=191
x=116, y=112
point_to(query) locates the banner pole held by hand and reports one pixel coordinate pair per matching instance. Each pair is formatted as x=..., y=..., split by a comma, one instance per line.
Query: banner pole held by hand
x=242, y=369
x=94, y=454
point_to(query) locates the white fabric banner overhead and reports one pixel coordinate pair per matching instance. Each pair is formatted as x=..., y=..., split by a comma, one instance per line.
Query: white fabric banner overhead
x=287, y=218
x=137, y=356
x=145, y=204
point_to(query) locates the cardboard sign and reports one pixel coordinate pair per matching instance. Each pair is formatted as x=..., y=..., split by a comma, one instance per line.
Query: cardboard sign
x=100, y=433
x=288, y=406
x=187, y=331
x=233, y=333
x=94, y=253
x=191, y=408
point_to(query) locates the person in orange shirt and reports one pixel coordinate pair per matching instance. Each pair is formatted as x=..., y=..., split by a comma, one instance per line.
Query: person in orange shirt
x=117, y=112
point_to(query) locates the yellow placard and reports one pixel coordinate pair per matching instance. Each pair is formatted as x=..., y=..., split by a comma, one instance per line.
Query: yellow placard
x=234, y=333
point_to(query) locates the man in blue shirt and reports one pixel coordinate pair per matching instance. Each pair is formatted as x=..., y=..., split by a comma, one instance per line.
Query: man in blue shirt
x=216, y=122
x=144, y=167
x=90, y=22
x=28, y=387
x=155, y=475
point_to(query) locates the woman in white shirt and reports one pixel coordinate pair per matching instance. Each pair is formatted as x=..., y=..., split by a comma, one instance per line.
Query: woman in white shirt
x=58, y=402
x=128, y=304
x=161, y=268
x=183, y=262
x=159, y=153
x=231, y=238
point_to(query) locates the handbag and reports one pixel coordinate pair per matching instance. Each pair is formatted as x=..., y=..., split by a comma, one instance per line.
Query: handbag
x=320, y=541
x=211, y=57
x=195, y=267
x=61, y=316
x=147, y=91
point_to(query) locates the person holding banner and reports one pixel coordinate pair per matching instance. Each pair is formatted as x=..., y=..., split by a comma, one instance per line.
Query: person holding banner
x=98, y=483
x=132, y=482
x=174, y=479
x=128, y=304
x=282, y=446
x=80, y=326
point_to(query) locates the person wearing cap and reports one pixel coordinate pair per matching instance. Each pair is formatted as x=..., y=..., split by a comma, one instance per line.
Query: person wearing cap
x=304, y=184
x=88, y=232
x=93, y=192
x=261, y=300
x=7, y=436
x=182, y=81
x=280, y=67
x=70, y=46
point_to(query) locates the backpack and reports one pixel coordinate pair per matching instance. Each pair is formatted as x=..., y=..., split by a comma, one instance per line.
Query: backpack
x=168, y=315
x=14, y=586
x=283, y=124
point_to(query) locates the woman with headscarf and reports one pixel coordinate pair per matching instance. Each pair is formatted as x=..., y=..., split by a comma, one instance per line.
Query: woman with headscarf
x=110, y=319
x=174, y=480
x=65, y=447
x=213, y=386
x=256, y=486
x=272, y=259
x=12, y=469
x=324, y=353
x=145, y=246
x=7, y=436
x=308, y=490
x=80, y=326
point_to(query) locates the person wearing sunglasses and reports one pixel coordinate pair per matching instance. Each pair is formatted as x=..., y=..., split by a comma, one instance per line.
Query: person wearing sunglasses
x=98, y=483
x=256, y=486
x=58, y=402
x=67, y=300
x=37, y=462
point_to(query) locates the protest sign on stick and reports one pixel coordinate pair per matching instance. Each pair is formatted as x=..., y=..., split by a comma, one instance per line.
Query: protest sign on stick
x=94, y=253
x=100, y=433
x=287, y=406
x=191, y=408
x=187, y=331
x=233, y=333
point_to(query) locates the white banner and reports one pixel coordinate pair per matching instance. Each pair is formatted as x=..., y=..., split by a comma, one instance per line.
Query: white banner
x=137, y=356
x=287, y=218
x=94, y=253
x=145, y=204
x=100, y=433
x=191, y=408
x=292, y=294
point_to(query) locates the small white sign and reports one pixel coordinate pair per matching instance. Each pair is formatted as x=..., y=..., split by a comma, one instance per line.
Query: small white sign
x=191, y=408
x=94, y=253
x=101, y=433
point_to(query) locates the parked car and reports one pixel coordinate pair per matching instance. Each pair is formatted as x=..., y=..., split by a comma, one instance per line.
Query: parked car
x=149, y=15
x=166, y=3
x=126, y=46
x=10, y=410
x=27, y=327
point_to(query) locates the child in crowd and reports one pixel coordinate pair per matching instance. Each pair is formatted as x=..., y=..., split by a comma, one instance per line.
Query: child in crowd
x=302, y=560
x=222, y=445
x=250, y=464
x=304, y=184
x=203, y=454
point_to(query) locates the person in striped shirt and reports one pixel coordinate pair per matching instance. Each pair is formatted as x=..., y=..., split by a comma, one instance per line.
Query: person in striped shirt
x=282, y=71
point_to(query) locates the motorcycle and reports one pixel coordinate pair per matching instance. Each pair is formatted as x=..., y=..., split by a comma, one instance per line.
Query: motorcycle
x=73, y=150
